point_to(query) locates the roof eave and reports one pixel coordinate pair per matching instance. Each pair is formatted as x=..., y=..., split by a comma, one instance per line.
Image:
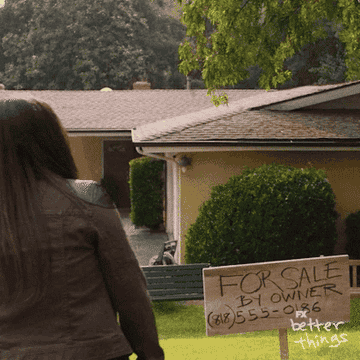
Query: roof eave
x=99, y=132
x=346, y=142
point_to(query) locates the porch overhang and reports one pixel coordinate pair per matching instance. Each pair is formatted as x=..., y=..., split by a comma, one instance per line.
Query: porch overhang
x=345, y=144
x=110, y=133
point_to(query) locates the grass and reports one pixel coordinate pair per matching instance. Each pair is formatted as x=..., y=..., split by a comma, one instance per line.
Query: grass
x=182, y=335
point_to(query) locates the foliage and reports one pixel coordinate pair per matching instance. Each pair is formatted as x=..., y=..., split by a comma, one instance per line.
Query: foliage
x=63, y=44
x=352, y=231
x=111, y=187
x=146, y=192
x=197, y=84
x=269, y=213
x=331, y=70
x=321, y=62
x=277, y=30
x=249, y=83
x=161, y=43
x=252, y=81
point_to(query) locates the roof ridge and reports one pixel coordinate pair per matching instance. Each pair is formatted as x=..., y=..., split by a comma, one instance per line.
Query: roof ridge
x=206, y=121
x=178, y=123
x=164, y=127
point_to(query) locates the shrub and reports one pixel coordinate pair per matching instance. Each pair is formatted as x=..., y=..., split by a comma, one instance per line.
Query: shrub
x=269, y=213
x=352, y=231
x=111, y=187
x=146, y=192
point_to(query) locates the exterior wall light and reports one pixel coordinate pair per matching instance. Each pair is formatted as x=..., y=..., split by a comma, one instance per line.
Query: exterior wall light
x=184, y=162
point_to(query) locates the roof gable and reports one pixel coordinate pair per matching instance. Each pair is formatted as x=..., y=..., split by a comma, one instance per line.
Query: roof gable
x=160, y=130
x=266, y=125
x=320, y=100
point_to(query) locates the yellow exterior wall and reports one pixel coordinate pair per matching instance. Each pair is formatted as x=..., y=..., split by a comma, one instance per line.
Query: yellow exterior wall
x=213, y=168
x=87, y=153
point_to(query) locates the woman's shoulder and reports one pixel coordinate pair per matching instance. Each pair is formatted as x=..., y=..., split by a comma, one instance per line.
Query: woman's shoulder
x=90, y=191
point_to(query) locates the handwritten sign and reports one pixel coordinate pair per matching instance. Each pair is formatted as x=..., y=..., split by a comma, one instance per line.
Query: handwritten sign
x=265, y=296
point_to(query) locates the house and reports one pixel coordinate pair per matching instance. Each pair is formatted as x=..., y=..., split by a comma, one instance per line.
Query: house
x=310, y=125
x=99, y=124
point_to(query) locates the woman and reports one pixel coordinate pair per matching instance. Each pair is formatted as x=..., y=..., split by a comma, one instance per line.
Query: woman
x=66, y=268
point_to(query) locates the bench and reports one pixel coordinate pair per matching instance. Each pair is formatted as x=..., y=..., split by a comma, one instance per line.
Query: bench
x=185, y=282
x=175, y=282
x=354, y=279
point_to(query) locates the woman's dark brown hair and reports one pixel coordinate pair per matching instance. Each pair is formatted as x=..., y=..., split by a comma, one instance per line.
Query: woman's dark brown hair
x=33, y=144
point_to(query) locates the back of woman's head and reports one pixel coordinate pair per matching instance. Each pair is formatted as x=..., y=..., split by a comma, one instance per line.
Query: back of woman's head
x=33, y=145
x=33, y=139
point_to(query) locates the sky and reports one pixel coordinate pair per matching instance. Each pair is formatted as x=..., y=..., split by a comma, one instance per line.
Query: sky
x=2, y=2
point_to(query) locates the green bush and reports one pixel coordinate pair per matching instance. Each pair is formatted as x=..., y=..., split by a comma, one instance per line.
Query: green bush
x=111, y=187
x=352, y=231
x=146, y=192
x=269, y=213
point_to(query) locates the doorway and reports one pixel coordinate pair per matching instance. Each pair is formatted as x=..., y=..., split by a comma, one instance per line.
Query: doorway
x=117, y=154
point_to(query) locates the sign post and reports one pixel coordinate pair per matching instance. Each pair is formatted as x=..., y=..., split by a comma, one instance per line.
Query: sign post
x=284, y=349
x=271, y=295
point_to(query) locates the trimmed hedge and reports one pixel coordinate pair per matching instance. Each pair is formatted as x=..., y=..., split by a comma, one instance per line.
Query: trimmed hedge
x=352, y=231
x=146, y=192
x=270, y=213
x=111, y=187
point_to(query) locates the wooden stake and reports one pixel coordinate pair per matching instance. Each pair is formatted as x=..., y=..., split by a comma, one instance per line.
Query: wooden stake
x=284, y=349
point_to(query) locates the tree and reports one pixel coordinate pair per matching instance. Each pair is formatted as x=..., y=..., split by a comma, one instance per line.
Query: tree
x=321, y=62
x=69, y=45
x=64, y=44
x=277, y=29
x=160, y=42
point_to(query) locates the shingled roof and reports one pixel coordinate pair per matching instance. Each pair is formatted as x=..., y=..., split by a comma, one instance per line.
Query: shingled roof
x=239, y=123
x=122, y=110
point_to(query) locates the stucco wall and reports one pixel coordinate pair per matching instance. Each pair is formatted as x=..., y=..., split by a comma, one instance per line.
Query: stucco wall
x=212, y=168
x=87, y=153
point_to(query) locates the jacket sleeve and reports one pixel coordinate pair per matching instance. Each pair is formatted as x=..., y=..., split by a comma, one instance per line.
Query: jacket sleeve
x=126, y=283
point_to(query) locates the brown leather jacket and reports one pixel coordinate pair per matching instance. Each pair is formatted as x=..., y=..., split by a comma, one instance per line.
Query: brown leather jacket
x=95, y=275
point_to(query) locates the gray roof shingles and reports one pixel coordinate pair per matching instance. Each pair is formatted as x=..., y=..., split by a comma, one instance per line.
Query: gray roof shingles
x=263, y=124
x=123, y=109
x=182, y=116
x=237, y=122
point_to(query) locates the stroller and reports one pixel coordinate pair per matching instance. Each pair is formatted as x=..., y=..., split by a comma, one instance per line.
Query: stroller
x=166, y=254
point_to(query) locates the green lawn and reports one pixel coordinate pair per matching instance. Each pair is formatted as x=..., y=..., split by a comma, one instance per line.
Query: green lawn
x=183, y=337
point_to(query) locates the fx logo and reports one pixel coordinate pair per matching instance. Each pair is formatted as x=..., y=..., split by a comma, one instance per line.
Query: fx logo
x=301, y=314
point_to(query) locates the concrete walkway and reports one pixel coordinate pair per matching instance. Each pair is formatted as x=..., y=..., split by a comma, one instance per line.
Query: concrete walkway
x=144, y=243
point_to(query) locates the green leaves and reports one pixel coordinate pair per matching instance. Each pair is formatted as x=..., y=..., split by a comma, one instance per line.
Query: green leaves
x=146, y=192
x=218, y=100
x=84, y=44
x=263, y=33
x=272, y=212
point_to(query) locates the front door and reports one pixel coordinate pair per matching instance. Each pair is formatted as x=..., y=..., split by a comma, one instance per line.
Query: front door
x=117, y=154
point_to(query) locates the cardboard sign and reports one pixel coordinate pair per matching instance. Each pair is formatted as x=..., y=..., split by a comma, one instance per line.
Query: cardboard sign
x=266, y=296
